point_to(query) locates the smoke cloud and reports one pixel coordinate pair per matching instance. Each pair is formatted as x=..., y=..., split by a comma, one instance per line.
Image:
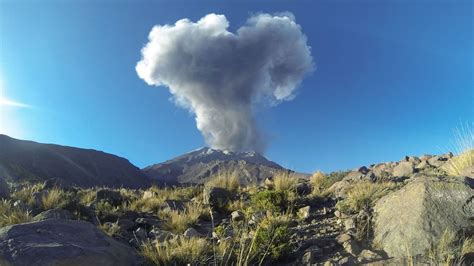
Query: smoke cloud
x=221, y=76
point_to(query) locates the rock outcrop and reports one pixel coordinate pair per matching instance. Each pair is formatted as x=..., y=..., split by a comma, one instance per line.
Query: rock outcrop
x=409, y=221
x=62, y=242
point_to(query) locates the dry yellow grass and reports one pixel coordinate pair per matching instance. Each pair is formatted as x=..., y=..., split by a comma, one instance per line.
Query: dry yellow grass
x=179, y=251
x=179, y=220
x=227, y=180
x=25, y=194
x=284, y=181
x=317, y=181
x=456, y=165
x=112, y=229
x=87, y=196
x=54, y=198
x=364, y=194
x=463, y=146
x=10, y=215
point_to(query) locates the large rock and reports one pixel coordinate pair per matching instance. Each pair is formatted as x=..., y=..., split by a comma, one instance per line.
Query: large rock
x=216, y=197
x=404, y=169
x=4, y=190
x=62, y=242
x=411, y=220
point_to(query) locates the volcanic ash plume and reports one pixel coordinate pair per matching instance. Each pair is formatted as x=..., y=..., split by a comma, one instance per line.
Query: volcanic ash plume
x=221, y=76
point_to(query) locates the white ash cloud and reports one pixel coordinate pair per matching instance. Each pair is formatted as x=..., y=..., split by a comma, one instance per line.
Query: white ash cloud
x=221, y=76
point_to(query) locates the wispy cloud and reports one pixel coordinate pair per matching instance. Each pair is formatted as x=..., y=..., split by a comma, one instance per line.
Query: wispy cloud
x=7, y=102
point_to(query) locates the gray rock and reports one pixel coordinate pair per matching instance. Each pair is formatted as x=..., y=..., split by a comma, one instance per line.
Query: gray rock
x=191, y=232
x=411, y=220
x=111, y=196
x=302, y=189
x=403, y=169
x=422, y=165
x=368, y=256
x=4, y=189
x=343, y=238
x=148, y=194
x=351, y=247
x=161, y=235
x=62, y=242
x=304, y=212
x=125, y=224
x=148, y=222
x=216, y=197
x=54, y=214
x=237, y=216
x=140, y=233
x=437, y=161
x=311, y=255
x=415, y=160
x=347, y=261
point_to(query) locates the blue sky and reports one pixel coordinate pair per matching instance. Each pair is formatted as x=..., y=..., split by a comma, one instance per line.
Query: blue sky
x=393, y=78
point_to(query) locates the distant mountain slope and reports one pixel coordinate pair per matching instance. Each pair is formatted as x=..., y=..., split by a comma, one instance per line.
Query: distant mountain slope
x=197, y=166
x=28, y=160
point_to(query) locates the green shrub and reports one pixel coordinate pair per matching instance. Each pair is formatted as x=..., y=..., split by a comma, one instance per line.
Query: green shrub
x=271, y=200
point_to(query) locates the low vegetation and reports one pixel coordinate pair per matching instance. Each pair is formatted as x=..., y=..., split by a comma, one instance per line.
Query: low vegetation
x=10, y=214
x=362, y=195
x=225, y=179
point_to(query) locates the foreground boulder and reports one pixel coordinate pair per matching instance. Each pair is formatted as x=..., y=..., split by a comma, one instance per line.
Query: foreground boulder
x=410, y=221
x=62, y=242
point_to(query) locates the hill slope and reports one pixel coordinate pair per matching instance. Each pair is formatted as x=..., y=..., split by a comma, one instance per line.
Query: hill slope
x=28, y=160
x=197, y=166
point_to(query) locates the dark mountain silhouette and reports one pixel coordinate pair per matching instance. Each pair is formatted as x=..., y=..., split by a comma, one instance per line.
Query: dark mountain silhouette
x=28, y=160
x=198, y=166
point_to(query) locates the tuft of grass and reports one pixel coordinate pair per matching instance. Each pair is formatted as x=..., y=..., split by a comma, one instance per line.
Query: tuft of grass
x=179, y=251
x=318, y=183
x=178, y=221
x=111, y=229
x=160, y=195
x=225, y=179
x=10, y=215
x=54, y=198
x=451, y=249
x=456, y=165
x=87, y=196
x=25, y=194
x=362, y=195
x=284, y=181
x=463, y=146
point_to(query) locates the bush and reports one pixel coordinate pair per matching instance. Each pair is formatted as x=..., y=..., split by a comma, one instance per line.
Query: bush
x=270, y=200
x=271, y=238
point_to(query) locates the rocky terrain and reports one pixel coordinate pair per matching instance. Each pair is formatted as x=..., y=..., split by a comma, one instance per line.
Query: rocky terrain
x=418, y=210
x=27, y=160
x=198, y=166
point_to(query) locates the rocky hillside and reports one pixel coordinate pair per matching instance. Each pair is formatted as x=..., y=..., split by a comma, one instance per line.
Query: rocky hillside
x=417, y=211
x=198, y=166
x=27, y=160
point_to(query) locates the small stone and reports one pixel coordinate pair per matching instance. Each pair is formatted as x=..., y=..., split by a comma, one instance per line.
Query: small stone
x=148, y=194
x=343, y=238
x=311, y=255
x=237, y=216
x=304, y=213
x=347, y=261
x=140, y=233
x=351, y=247
x=302, y=189
x=349, y=224
x=191, y=232
x=368, y=256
